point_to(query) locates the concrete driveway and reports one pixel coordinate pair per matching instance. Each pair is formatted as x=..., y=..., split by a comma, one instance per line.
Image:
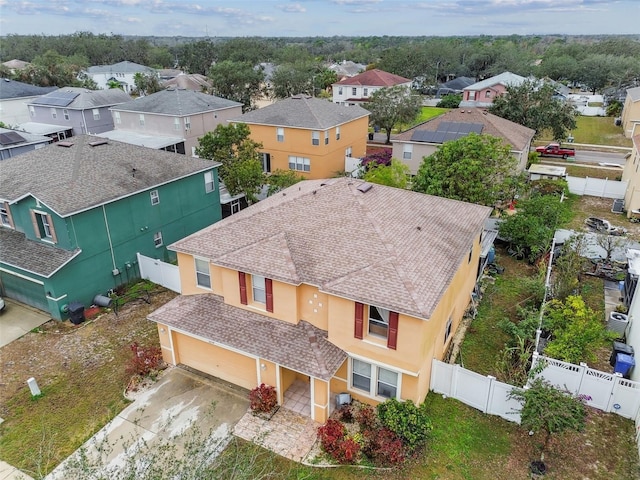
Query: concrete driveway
x=18, y=319
x=164, y=414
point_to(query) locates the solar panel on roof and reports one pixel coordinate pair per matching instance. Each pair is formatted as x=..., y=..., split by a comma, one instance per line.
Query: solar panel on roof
x=450, y=136
x=476, y=127
x=444, y=126
x=11, y=138
x=57, y=99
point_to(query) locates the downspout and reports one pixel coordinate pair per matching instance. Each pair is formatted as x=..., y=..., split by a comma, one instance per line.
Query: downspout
x=84, y=123
x=106, y=223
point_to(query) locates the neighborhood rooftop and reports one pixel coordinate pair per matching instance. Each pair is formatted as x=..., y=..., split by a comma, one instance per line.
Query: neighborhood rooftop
x=90, y=171
x=120, y=67
x=75, y=98
x=374, y=78
x=380, y=245
x=505, y=78
x=13, y=89
x=302, y=111
x=176, y=102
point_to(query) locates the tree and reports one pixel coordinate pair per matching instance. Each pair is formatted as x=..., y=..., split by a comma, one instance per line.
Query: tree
x=392, y=106
x=396, y=174
x=147, y=83
x=474, y=169
x=533, y=105
x=292, y=79
x=547, y=409
x=568, y=267
x=281, y=179
x=238, y=81
x=241, y=169
x=450, y=101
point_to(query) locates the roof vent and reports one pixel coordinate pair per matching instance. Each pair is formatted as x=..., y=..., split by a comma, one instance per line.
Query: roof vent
x=65, y=144
x=365, y=187
x=95, y=143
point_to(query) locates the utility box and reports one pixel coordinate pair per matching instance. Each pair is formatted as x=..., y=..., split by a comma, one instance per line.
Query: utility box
x=619, y=347
x=624, y=364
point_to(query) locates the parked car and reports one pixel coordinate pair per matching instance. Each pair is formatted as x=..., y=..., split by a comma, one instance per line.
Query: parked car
x=604, y=226
x=555, y=150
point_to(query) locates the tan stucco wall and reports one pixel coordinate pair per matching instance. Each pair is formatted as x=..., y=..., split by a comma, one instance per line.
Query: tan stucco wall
x=631, y=174
x=313, y=306
x=325, y=160
x=630, y=117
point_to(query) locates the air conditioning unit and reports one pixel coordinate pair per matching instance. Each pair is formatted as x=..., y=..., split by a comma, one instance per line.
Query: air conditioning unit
x=618, y=322
x=342, y=399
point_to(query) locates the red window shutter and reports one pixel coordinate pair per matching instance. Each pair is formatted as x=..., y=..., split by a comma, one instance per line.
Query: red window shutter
x=9, y=216
x=268, y=286
x=392, y=337
x=359, y=322
x=242, y=277
x=36, y=227
x=54, y=237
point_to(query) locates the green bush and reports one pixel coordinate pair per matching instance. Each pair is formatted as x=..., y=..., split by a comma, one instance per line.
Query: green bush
x=407, y=420
x=450, y=101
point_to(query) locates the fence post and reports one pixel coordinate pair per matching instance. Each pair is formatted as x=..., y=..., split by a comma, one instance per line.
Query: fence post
x=583, y=371
x=614, y=386
x=584, y=188
x=140, y=264
x=454, y=381
x=489, y=400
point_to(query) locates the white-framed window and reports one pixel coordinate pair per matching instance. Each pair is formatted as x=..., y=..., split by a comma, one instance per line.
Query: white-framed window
x=209, y=182
x=374, y=380
x=266, y=162
x=472, y=95
x=116, y=116
x=187, y=123
x=280, y=134
x=155, y=197
x=235, y=206
x=299, y=163
x=65, y=114
x=487, y=94
x=315, y=138
x=96, y=113
x=5, y=215
x=407, y=151
x=354, y=91
x=339, y=90
x=141, y=119
x=157, y=239
x=326, y=137
x=258, y=289
x=337, y=133
x=176, y=124
x=365, y=92
x=54, y=113
x=32, y=111
x=42, y=224
x=348, y=151
x=447, y=329
x=203, y=276
x=378, y=321
x=193, y=150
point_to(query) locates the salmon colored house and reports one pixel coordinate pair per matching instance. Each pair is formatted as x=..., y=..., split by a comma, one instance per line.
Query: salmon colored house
x=314, y=137
x=483, y=93
x=330, y=286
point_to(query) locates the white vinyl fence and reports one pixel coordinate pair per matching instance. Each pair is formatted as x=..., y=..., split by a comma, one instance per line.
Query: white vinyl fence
x=601, y=390
x=160, y=272
x=597, y=187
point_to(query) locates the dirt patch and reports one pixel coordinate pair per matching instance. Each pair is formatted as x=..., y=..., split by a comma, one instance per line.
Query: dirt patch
x=588, y=206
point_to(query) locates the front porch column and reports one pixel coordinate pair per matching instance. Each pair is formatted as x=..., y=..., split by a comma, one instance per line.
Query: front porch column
x=319, y=400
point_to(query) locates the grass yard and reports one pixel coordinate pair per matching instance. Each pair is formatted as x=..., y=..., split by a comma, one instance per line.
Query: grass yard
x=594, y=131
x=427, y=113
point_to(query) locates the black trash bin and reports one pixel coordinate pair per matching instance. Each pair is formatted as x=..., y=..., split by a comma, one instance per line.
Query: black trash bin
x=619, y=347
x=371, y=136
x=76, y=312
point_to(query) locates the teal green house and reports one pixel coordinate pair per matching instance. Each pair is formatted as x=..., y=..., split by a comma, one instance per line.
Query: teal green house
x=74, y=214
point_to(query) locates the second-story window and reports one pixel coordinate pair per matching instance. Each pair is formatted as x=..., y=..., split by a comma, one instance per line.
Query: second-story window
x=326, y=137
x=259, y=289
x=116, y=116
x=157, y=239
x=141, y=119
x=187, y=123
x=65, y=113
x=54, y=113
x=203, y=276
x=155, y=197
x=354, y=91
x=43, y=226
x=315, y=138
x=365, y=92
x=280, y=134
x=5, y=215
x=209, y=182
x=381, y=323
x=337, y=133
x=176, y=124
x=378, y=321
x=96, y=114
x=407, y=151
x=339, y=90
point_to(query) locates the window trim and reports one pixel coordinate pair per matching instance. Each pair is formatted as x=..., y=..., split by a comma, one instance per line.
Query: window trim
x=54, y=113
x=96, y=113
x=209, y=184
x=338, y=133
x=299, y=164
x=204, y=274
x=326, y=137
x=155, y=197
x=315, y=138
x=261, y=288
x=374, y=379
x=279, y=134
x=187, y=123
x=43, y=219
x=354, y=91
x=157, y=239
x=6, y=219
x=176, y=124
x=65, y=114
x=407, y=151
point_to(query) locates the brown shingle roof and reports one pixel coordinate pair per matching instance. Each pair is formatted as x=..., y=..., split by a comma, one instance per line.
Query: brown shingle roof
x=300, y=347
x=389, y=247
x=374, y=78
x=514, y=134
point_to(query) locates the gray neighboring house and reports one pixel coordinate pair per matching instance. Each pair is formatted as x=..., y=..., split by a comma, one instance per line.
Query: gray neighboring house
x=412, y=145
x=13, y=143
x=122, y=72
x=173, y=119
x=14, y=97
x=78, y=110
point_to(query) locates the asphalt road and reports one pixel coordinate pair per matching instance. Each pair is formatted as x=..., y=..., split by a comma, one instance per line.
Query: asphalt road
x=590, y=156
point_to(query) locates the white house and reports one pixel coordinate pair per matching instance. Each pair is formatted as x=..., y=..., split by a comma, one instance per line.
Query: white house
x=122, y=72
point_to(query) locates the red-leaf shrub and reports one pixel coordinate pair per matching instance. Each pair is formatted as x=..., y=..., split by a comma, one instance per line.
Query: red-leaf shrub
x=366, y=417
x=263, y=398
x=384, y=447
x=345, y=413
x=144, y=360
x=347, y=451
x=331, y=435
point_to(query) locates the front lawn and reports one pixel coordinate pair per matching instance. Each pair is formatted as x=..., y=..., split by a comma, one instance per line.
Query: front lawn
x=594, y=131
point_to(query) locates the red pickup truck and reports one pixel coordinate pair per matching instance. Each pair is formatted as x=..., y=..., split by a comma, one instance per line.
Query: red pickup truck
x=555, y=150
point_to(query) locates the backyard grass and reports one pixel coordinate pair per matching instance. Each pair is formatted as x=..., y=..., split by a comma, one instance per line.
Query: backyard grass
x=426, y=113
x=594, y=131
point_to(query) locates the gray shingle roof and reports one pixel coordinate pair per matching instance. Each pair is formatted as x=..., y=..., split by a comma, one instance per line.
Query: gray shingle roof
x=82, y=176
x=634, y=93
x=513, y=133
x=35, y=257
x=389, y=247
x=89, y=98
x=505, y=78
x=120, y=67
x=28, y=138
x=301, y=347
x=302, y=111
x=176, y=101
x=14, y=89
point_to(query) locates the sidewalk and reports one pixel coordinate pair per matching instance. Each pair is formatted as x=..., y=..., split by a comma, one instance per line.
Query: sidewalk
x=7, y=472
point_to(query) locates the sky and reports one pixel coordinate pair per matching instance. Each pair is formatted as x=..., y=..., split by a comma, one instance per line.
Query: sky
x=323, y=18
